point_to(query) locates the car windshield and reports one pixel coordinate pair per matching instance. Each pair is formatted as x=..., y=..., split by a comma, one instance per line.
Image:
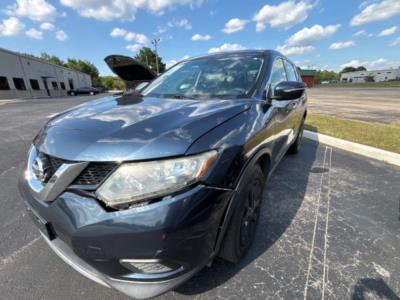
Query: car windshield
x=218, y=77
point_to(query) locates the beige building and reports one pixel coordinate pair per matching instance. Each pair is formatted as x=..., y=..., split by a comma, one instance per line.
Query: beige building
x=23, y=76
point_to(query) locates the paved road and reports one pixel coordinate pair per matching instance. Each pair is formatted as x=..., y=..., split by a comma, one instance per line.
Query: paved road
x=367, y=104
x=329, y=228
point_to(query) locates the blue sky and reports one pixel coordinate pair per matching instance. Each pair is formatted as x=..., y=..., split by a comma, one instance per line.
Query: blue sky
x=313, y=33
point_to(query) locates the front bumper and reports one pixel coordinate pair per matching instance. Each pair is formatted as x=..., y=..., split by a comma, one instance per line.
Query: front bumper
x=136, y=289
x=181, y=230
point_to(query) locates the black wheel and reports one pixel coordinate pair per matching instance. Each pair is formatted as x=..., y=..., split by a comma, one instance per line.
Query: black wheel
x=295, y=147
x=242, y=228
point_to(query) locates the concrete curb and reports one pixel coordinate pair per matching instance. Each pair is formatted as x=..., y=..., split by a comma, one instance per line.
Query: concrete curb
x=371, y=152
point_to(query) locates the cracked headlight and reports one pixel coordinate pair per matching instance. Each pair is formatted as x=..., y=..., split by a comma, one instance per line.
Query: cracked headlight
x=134, y=182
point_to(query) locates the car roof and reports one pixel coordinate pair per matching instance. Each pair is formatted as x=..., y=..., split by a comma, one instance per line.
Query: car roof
x=266, y=52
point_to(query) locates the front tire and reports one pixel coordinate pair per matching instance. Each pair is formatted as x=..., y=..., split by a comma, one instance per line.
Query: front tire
x=242, y=228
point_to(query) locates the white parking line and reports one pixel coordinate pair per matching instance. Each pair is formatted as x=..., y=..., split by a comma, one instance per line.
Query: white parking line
x=317, y=271
x=325, y=270
x=11, y=258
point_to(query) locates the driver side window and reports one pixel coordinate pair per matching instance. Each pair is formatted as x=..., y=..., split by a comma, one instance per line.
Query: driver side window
x=278, y=73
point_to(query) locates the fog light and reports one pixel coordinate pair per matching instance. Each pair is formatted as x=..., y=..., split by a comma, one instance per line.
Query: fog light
x=148, y=266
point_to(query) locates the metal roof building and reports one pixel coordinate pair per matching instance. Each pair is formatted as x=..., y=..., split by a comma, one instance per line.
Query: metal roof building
x=23, y=76
x=378, y=75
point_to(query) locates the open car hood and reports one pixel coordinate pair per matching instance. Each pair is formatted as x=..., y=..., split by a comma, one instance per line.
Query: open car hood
x=131, y=71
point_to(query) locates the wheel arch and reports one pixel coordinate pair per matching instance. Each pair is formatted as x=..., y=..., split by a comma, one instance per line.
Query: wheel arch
x=261, y=158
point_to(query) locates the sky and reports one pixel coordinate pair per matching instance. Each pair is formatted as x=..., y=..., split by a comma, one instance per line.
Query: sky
x=321, y=34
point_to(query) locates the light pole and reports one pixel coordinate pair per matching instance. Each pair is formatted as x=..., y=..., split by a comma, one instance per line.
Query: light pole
x=155, y=43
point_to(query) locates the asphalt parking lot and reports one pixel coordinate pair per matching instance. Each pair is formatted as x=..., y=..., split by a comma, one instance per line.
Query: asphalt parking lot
x=329, y=229
x=366, y=104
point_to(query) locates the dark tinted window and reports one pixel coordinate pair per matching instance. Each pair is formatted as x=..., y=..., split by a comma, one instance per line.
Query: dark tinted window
x=291, y=71
x=71, y=83
x=278, y=73
x=62, y=84
x=34, y=84
x=4, y=83
x=19, y=83
x=55, y=85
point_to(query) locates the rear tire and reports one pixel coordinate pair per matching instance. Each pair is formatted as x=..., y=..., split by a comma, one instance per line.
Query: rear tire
x=242, y=228
x=295, y=147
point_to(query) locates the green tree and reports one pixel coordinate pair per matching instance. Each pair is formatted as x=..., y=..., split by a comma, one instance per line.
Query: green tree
x=85, y=67
x=325, y=75
x=148, y=57
x=52, y=59
x=112, y=83
x=353, y=69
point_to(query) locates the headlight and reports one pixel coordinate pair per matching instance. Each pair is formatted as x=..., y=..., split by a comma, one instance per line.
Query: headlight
x=133, y=182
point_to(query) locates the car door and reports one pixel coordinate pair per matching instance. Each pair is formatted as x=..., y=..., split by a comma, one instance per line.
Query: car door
x=283, y=112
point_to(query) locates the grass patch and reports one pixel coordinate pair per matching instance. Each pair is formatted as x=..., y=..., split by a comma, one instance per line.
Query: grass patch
x=384, y=84
x=383, y=136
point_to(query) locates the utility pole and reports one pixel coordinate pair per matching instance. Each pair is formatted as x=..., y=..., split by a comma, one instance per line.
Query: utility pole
x=155, y=42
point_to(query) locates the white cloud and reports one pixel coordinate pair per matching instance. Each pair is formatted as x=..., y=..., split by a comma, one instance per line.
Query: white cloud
x=133, y=47
x=234, y=25
x=199, y=37
x=296, y=50
x=11, y=26
x=388, y=31
x=185, y=57
x=36, y=10
x=377, y=11
x=107, y=10
x=380, y=63
x=47, y=26
x=361, y=33
x=342, y=45
x=395, y=42
x=137, y=37
x=226, y=47
x=61, y=35
x=118, y=32
x=310, y=35
x=130, y=36
x=183, y=23
x=286, y=14
x=34, y=34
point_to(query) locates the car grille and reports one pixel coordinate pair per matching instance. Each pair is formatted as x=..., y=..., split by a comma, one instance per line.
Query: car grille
x=94, y=173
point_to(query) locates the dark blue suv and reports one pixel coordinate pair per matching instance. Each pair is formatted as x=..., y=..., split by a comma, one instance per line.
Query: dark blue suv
x=138, y=192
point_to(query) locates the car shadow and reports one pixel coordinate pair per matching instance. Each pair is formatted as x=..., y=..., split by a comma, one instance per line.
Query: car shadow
x=377, y=286
x=284, y=194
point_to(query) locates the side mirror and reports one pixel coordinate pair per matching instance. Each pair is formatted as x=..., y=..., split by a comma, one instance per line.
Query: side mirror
x=289, y=90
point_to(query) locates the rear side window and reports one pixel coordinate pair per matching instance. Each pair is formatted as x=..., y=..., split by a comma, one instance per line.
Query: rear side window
x=278, y=73
x=34, y=84
x=4, y=83
x=19, y=84
x=291, y=71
